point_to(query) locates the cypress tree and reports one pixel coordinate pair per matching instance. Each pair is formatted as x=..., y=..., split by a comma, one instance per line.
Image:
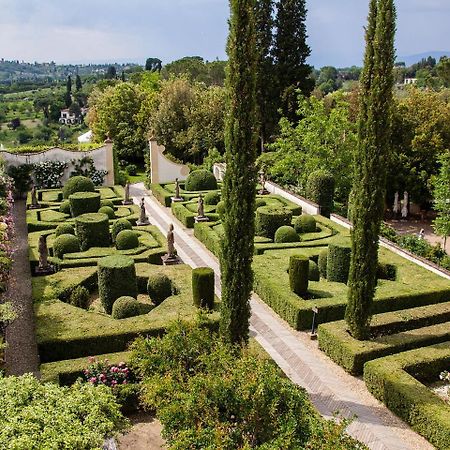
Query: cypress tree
x=290, y=52
x=78, y=83
x=240, y=178
x=69, y=84
x=369, y=186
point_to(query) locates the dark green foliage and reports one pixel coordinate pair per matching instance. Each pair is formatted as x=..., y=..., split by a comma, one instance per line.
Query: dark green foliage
x=323, y=262
x=269, y=219
x=93, y=230
x=314, y=273
x=108, y=211
x=107, y=202
x=259, y=202
x=299, y=274
x=374, y=146
x=240, y=178
x=64, y=228
x=126, y=240
x=116, y=278
x=305, y=224
x=131, y=169
x=203, y=287
x=286, y=234
x=386, y=272
x=125, y=307
x=212, y=198
x=220, y=209
x=78, y=184
x=338, y=263
x=320, y=190
x=84, y=202
x=65, y=207
x=118, y=226
x=200, y=180
x=66, y=243
x=159, y=287
x=79, y=297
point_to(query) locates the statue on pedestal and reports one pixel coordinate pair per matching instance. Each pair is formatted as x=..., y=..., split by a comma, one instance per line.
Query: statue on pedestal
x=201, y=210
x=405, y=202
x=171, y=257
x=44, y=268
x=127, y=200
x=262, y=182
x=34, y=201
x=177, y=197
x=143, y=219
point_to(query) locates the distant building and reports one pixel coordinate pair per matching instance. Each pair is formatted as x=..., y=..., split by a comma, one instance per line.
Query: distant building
x=410, y=81
x=68, y=118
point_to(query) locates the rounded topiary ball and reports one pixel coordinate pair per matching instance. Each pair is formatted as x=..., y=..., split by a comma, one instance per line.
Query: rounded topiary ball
x=118, y=226
x=220, y=209
x=108, y=211
x=65, y=207
x=125, y=307
x=212, y=198
x=159, y=287
x=269, y=219
x=201, y=180
x=78, y=184
x=64, y=228
x=84, y=203
x=66, y=243
x=107, y=202
x=286, y=234
x=203, y=287
x=93, y=230
x=126, y=240
x=305, y=224
x=299, y=274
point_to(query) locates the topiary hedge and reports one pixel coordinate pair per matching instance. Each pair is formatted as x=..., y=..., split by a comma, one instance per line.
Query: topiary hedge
x=338, y=263
x=212, y=198
x=299, y=274
x=305, y=224
x=320, y=190
x=118, y=226
x=66, y=243
x=108, y=211
x=78, y=184
x=203, y=287
x=269, y=219
x=64, y=228
x=116, y=278
x=323, y=262
x=314, y=274
x=126, y=240
x=125, y=307
x=107, y=202
x=65, y=207
x=79, y=297
x=201, y=180
x=286, y=234
x=84, y=203
x=159, y=287
x=386, y=271
x=93, y=230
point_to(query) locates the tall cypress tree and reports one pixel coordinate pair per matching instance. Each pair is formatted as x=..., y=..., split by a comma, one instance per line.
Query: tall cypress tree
x=69, y=84
x=240, y=178
x=374, y=136
x=290, y=52
x=78, y=83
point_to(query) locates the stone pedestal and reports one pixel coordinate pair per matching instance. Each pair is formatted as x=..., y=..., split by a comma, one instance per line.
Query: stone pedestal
x=127, y=202
x=38, y=206
x=263, y=191
x=142, y=223
x=201, y=219
x=177, y=199
x=42, y=271
x=170, y=260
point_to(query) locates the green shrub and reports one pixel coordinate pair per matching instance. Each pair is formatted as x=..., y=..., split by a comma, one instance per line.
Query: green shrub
x=65, y=207
x=108, y=211
x=269, y=219
x=286, y=234
x=65, y=243
x=159, y=287
x=338, y=263
x=320, y=190
x=107, y=202
x=201, y=180
x=203, y=287
x=305, y=224
x=118, y=226
x=386, y=271
x=299, y=274
x=126, y=240
x=323, y=262
x=125, y=307
x=78, y=184
x=79, y=297
x=84, y=203
x=64, y=228
x=93, y=230
x=212, y=198
x=220, y=209
x=116, y=278
x=314, y=274
x=259, y=202
x=131, y=169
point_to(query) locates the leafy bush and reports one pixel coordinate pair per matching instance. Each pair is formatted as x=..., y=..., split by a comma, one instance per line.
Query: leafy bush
x=64, y=228
x=131, y=169
x=269, y=219
x=305, y=224
x=48, y=174
x=201, y=180
x=101, y=373
x=159, y=287
x=320, y=190
x=203, y=287
x=65, y=243
x=108, y=211
x=65, y=207
x=125, y=307
x=286, y=234
x=220, y=209
x=78, y=184
x=126, y=240
x=92, y=230
x=84, y=203
x=118, y=226
x=338, y=263
x=85, y=167
x=35, y=415
x=21, y=176
x=299, y=274
x=212, y=198
x=79, y=297
x=323, y=262
x=259, y=202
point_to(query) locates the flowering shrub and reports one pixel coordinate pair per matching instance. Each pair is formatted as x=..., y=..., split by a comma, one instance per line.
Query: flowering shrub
x=102, y=373
x=48, y=174
x=6, y=229
x=86, y=168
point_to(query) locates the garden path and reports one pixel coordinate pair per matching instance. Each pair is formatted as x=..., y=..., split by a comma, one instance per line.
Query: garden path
x=330, y=388
x=21, y=352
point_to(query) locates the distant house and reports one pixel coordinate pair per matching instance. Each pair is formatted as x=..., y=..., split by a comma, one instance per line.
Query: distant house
x=410, y=81
x=70, y=118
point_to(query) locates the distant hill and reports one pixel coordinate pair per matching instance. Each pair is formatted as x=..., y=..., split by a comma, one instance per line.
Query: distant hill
x=413, y=59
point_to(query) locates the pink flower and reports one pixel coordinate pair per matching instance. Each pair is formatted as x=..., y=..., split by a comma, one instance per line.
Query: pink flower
x=93, y=380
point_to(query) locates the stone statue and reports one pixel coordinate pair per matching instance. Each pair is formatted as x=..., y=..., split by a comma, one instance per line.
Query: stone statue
x=171, y=242
x=127, y=200
x=405, y=205
x=43, y=253
x=396, y=207
x=262, y=182
x=143, y=219
x=201, y=206
x=177, y=188
x=34, y=200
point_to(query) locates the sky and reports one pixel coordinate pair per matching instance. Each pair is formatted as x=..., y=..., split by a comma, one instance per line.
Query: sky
x=83, y=31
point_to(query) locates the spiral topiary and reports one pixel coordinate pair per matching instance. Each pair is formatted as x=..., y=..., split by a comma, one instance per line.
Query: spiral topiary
x=125, y=307
x=314, y=274
x=269, y=219
x=305, y=224
x=64, y=228
x=118, y=226
x=116, y=278
x=159, y=287
x=338, y=263
x=212, y=198
x=323, y=261
x=201, y=180
x=93, y=230
x=203, y=287
x=299, y=274
x=108, y=211
x=126, y=240
x=286, y=234
x=84, y=203
x=107, y=202
x=77, y=184
x=220, y=209
x=66, y=243
x=320, y=190
x=65, y=207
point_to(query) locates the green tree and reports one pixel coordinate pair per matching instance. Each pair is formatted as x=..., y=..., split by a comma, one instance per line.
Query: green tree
x=111, y=73
x=374, y=138
x=153, y=65
x=69, y=84
x=78, y=83
x=240, y=179
x=443, y=71
x=442, y=198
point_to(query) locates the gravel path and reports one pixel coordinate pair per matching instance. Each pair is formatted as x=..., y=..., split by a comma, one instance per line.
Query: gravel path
x=21, y=353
